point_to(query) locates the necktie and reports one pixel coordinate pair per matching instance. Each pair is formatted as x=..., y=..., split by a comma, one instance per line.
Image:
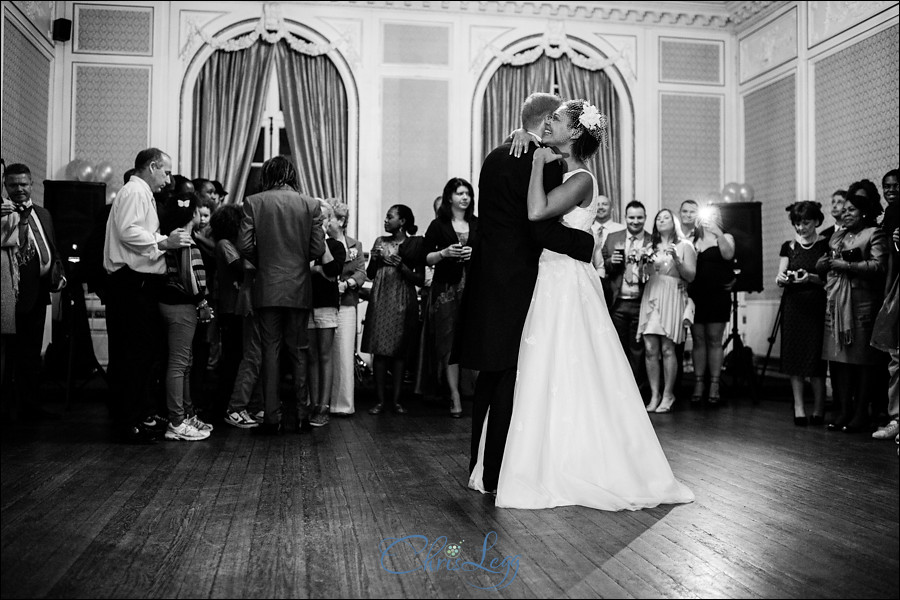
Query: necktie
x=39, y=239
x=630, y=268
x=26, y=250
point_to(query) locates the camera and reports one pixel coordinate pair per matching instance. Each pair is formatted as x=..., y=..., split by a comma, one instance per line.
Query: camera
x=791, y=275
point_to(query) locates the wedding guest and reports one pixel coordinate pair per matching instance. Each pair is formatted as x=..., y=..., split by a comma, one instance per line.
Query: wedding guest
x=396, y=267
x=9, y=286
x=688, y=216
x=666, y=310
x=281, y=233
x=622, y=254
x=206, y=338
x=182, y=303
x=837, y=208
x=226, y=223
x=351, y=279
x=711, y=293
x=803, y=309
x=601, y=228
x=35, y=271
x=206, y=190
x=133, y=255
x=324, y=321
x=448, y=244
x=855, y=287
x=886, y=334
x=220, y=192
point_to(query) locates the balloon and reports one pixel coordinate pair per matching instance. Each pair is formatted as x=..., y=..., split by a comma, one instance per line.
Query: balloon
x=75, y=167
x=733, y=189
x=729, y=197
x=746, y=192
x=103, y=171
x=110, y=195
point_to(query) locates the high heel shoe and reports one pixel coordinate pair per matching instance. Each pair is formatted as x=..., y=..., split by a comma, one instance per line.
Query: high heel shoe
x=398, y=408
x=654, y=404
x=801, y=421
x=666, y=406
x=377, y=409
x=713, y=397
x=697, y=395
x=455, y=408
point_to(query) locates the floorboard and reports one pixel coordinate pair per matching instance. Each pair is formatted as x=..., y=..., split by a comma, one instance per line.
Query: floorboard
x=781, y=512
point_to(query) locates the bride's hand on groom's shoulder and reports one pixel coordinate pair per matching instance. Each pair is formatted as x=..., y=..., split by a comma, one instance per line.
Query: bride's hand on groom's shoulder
x=542, y=156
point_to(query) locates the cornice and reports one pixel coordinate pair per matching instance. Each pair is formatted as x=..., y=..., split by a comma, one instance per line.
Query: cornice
x=714, y=15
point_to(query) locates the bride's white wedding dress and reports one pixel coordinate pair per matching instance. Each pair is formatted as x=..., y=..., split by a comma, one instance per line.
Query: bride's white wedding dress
x=580, y=434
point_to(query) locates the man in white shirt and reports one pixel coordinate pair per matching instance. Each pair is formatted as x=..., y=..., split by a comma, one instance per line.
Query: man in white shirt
x=688, y=215
x=133, y=255
x=602, y=226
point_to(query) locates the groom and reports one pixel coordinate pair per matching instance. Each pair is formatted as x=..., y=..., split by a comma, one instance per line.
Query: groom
x=502, y=277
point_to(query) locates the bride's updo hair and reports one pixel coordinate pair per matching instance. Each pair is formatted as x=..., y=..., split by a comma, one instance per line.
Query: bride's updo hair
x=592, y=128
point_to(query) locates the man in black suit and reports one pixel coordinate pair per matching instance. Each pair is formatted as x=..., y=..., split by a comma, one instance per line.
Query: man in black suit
x=502, y=278
x=40, y=272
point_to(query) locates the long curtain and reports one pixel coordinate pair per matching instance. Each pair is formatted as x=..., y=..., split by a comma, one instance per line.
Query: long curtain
x=314, y=104
x=229, y=101
x=595, y=87
x=509, y=87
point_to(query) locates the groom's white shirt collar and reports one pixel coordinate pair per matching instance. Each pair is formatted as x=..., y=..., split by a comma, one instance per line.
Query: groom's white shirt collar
x=535, y=136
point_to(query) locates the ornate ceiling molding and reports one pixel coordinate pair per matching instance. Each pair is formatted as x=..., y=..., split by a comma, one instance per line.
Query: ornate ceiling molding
x=714, y=15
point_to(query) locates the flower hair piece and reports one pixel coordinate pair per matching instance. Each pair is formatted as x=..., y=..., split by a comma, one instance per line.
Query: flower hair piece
x=594, y=122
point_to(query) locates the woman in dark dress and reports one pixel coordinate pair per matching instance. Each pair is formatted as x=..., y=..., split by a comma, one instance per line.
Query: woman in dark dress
x=711, y=293
x=448, y=243
x=856, y=269
x=803, y=309
x=396, y=267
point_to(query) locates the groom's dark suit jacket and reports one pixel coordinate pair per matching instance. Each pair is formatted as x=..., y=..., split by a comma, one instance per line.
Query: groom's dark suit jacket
x=505, y=260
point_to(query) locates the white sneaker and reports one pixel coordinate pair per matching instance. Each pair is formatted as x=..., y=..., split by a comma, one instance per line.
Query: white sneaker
x=888, y=431
x=185, y=432
x=196, y=422
x=240, y=419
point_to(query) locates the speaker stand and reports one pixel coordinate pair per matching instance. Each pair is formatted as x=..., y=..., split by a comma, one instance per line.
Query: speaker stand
x=739, y=362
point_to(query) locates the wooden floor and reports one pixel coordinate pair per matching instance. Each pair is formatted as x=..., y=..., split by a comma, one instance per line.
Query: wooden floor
x=781, y=512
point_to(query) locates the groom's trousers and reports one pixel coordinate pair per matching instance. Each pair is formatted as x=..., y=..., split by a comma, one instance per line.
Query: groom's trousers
x=494, y=390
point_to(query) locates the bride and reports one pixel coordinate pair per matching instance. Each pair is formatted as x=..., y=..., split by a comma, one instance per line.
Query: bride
x=579, y=434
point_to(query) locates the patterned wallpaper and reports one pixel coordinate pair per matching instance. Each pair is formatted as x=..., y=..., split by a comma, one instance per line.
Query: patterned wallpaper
x=414, y=166
x=25, y=105
x=111, y=116
x=857, y=108
x=770, y=154
x=690, y=148
x=114, y=30
x=690, y=62
x=416, y=44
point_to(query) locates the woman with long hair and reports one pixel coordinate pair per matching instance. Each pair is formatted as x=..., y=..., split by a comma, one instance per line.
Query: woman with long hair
x=666, y=310
x=448, y=243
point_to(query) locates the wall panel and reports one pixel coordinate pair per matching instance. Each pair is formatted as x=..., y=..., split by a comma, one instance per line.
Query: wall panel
x=415, y=141
x=770, y=165
x=690, y=148
x=857, y=118
x=25, y=105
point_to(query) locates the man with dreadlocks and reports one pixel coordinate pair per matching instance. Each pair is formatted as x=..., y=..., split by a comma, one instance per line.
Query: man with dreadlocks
x=281, y=233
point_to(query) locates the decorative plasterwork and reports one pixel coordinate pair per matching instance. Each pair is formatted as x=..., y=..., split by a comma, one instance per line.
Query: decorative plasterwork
x=350, y=32
x=768, y=47
x=270, y=28
x=40, y=14
x=480, y=37
x=695, y=14
x=554, y=43
x=830, y=18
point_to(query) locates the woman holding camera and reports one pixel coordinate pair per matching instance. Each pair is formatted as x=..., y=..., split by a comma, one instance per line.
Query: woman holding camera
x=711, y=293
x=855, y=268
x=803, y=309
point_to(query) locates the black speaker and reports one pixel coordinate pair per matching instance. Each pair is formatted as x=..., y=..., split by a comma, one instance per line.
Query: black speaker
x=62, y=30
x=743, y=220
x=78, y=208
